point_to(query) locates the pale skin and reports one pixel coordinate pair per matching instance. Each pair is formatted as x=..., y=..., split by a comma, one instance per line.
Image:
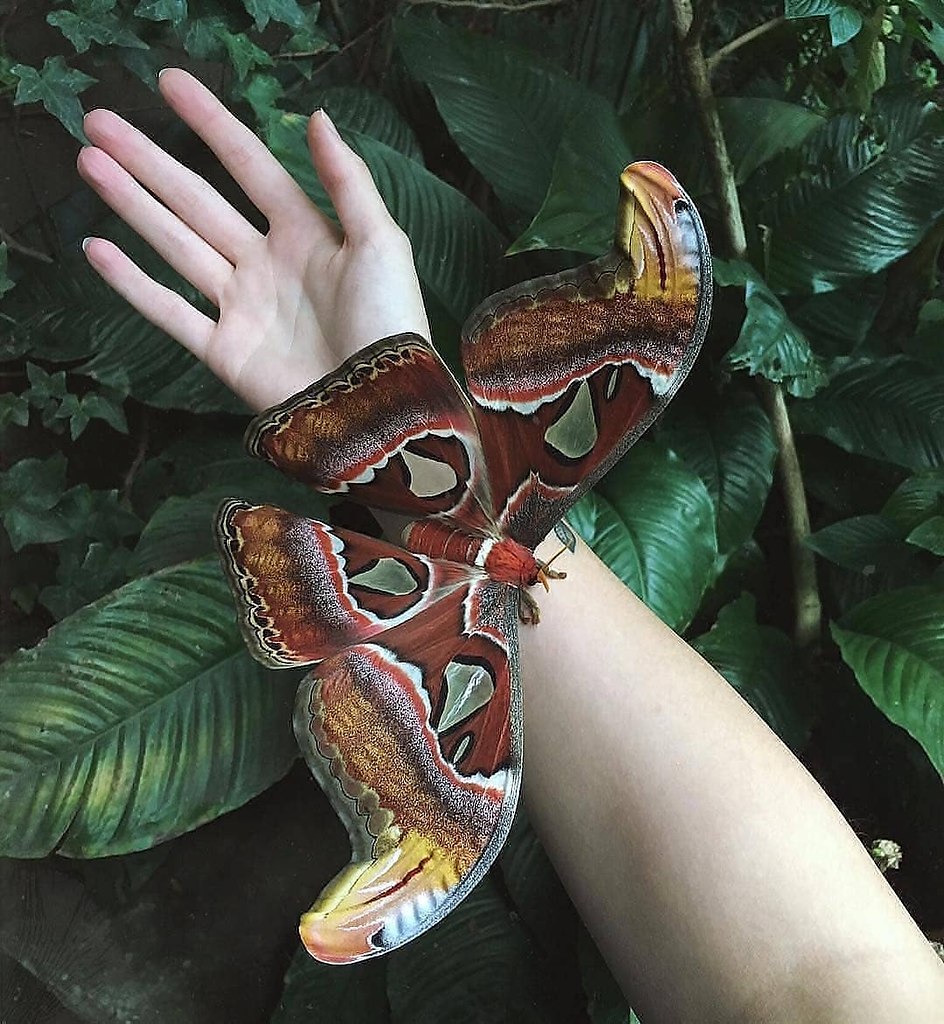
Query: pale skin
x=717, y=878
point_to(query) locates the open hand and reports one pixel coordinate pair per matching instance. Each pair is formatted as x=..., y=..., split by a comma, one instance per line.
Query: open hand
x=294, y=302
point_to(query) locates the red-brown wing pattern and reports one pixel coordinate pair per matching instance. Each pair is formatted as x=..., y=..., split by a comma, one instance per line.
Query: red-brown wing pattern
x=567, y=371
x=305, y=590
x=389, y=428
x=415, y=737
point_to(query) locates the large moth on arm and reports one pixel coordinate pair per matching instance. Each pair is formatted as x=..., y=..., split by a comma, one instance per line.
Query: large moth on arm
x=410, y=718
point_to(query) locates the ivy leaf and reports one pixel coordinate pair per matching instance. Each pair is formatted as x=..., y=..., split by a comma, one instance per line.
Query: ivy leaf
x=13, y=409
x=579, y=208
x=29, y=493
x=733, y=450
x=85, y=573
x=651, y=520
x=94, y=21
x=759, y=662
x=138, y=718
x=244, y=54
x=262, y=92
x=894, y=644
x=890, y=409
x=287, y=12
x=174, y=11
x=770, y=344
x=56, y=86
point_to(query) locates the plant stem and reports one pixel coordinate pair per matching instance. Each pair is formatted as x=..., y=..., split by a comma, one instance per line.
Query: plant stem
x=723, y=52
x=807, y=606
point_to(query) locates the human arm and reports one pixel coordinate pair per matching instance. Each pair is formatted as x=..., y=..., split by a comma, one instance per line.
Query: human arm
x=711, y=869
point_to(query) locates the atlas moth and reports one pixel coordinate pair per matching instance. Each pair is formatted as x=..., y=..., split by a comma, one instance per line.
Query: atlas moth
x=410, y=718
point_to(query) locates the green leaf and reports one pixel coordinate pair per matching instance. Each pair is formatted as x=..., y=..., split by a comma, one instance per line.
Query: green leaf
x=262, y=92
x=174, y=11
x=838, y=323
x=353, y=995
x=931, y=9
x=504, y=106
x=244, y=54
x=94, y=21
x=759, y=662
x=287, y=12
x=85, y=573
x=895, y=645
x=890, y=409
x=6, y=283
x=865, y=544
x=756, y=129
x=56, y=86
x=457, y=248
x=579, y=210
x=13, y=409
x=844, y=20
x=476, y=965
x=29, y=493
x=859, y=204
x=927, y=345
x=770, y=344
x=929, y=535
x=203, y=38
x=732, y=448
x=651, y=520
x=138, y=718
x=919, y=498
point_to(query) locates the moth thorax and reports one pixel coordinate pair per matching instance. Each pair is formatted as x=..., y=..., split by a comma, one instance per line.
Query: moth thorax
x=511, y=562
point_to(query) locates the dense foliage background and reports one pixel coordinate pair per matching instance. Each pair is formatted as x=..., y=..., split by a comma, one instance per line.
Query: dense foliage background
x=495, y=130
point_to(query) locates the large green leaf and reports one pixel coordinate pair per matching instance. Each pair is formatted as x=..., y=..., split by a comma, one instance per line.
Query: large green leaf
x=895, y=645
x=918, y=499
x=865, y=544
x=457, y=249
x=890, y=409
x=139, y=717
x=844, y=20
x=350, y=995
x=732, y=449
x=476, y=965
x=354, y=108
x=651, y=519
x=579, y=210
x=505, y=107
x=758, y=661
x=757, y=128
x=863, y=204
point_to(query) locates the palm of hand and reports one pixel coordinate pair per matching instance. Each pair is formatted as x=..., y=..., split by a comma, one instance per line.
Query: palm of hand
x=294, y=302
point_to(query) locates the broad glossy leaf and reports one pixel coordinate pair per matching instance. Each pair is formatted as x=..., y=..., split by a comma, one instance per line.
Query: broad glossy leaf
x=837, y=323
x=312, y=991
x=770, y=344
x=929, y=535
x=57, y=87
x=917, y=499
x=862, y=205
x=865, y=544
x=476, y=965
x=139, y=717
x=895, y=645
x=759, y=662
x=734, y=452
x=577, y=212
x=357, y=109
x=844, y=20
x=651, y=519
x=456, y=246
x=756, y=129
x=504, y=106
x=889, y=409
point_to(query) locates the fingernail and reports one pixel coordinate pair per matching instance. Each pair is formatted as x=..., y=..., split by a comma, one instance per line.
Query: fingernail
x=85, y=243
x=161, y=72
x=329, y=122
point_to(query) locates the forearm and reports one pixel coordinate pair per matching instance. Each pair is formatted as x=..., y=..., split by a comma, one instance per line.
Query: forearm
x=716, y=876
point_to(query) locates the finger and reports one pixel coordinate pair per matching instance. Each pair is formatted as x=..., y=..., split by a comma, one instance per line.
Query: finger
x=348, y=182
x=194, y=200
x=264, y=180
x=179, y=244
x=162, y=306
